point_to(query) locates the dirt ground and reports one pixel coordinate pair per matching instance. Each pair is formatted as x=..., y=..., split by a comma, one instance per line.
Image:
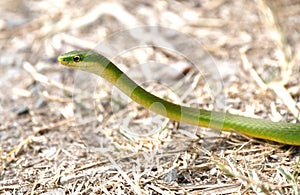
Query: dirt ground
x=63, y=131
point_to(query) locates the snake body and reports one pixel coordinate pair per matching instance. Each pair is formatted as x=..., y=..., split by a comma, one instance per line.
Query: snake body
x=93, y=62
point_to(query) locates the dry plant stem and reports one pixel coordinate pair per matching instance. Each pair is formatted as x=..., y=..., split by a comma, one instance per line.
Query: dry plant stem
x=77, y=42
x=67, y=23
x=12, y=187
x=29, y=27
x=53, y=125
x=16, y=150
x=43, y=79
x=231, y=171
x=277, y=87
x=285, y=96
x=269, y=14
x=132, y=183
x=112, y=9
x=221, y=188
x=287, y=61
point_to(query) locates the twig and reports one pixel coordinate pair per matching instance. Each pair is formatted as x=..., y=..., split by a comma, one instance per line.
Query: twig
x=43, y=79
x=277, y=87
x=52, y=125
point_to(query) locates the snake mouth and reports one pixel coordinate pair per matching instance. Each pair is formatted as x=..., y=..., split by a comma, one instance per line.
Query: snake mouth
x=62, y=60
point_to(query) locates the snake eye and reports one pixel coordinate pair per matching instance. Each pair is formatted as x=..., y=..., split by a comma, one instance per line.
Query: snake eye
x=76, y=58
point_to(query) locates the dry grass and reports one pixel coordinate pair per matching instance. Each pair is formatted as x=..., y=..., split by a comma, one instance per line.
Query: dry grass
x=66, y=132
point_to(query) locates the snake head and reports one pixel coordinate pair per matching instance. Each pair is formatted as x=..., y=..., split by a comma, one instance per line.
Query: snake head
x=73, y=59
x=86, y=60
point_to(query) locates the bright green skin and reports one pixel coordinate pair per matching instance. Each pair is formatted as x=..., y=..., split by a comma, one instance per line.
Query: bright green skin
x=93, y=62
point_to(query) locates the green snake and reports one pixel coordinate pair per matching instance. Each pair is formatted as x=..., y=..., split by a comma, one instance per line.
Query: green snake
x=93, y=62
